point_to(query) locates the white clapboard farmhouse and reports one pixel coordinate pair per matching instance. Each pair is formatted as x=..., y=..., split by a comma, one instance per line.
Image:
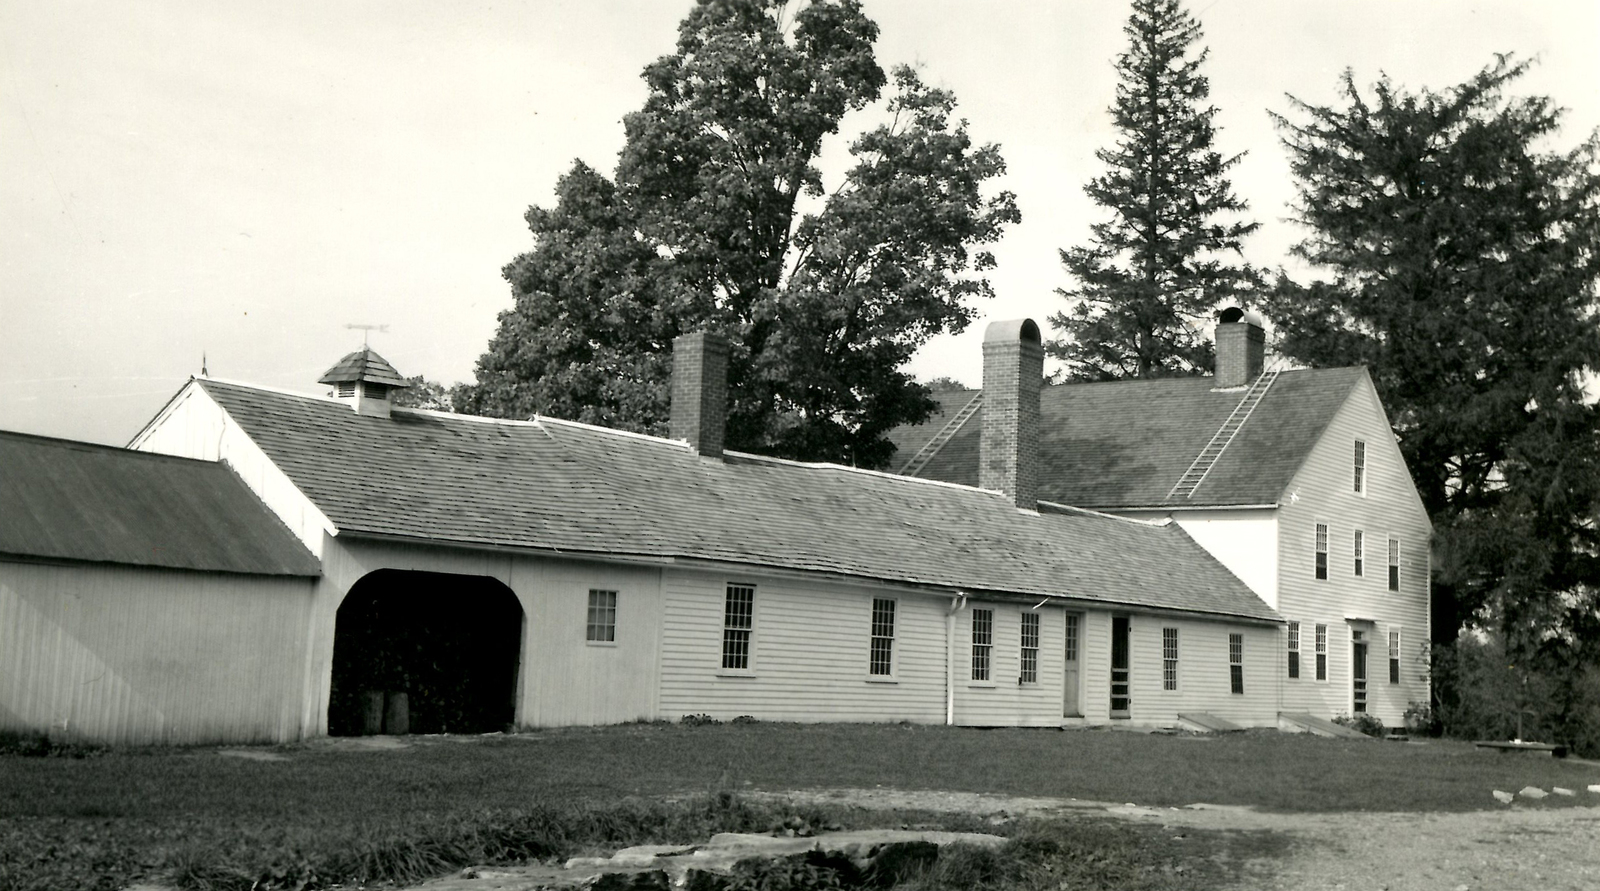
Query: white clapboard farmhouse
x=341, y=565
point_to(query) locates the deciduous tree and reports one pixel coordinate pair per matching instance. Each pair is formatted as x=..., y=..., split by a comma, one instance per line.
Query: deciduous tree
x=1155, y=272
x=718, y=219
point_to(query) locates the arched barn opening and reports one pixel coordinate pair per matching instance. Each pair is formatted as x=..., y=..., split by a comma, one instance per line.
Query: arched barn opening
x=425, y=652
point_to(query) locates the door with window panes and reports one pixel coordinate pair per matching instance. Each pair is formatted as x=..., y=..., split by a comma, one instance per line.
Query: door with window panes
x=1120, y=669
x=1358, y=671
x=1070, y=706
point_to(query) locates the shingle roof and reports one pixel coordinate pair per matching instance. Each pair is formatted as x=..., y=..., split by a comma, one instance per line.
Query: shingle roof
x=558, y=485
x=363, y=365
x=69, y=500
x=1125, y=443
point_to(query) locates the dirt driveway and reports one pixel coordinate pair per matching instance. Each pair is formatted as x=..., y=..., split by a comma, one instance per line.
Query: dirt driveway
x=1513, y=848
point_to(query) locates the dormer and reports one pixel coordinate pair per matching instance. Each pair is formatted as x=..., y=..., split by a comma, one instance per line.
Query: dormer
x=366, y=381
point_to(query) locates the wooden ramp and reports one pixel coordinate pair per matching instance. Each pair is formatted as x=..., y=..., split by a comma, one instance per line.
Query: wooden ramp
x=1206, y=723
x=1304, y=722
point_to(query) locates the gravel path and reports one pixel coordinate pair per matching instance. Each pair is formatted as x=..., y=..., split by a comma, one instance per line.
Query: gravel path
x=1513, y=848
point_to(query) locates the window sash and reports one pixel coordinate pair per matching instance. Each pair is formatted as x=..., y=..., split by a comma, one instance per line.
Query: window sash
x=1072, y=637
x=1236, y=662
x=1394, y=656
x=982, y=642
x=1169, y=658
x=1361, y=466
x=881, y=658
x=1322, y=550
x=1394, y=564
x=1294, y=649
x=738, y=624
x=601, y=626
x=1030, y=648
x=1359, y=546
x=1322, y=652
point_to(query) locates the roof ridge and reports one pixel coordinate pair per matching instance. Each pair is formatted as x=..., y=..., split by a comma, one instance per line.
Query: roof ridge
x=85, y=445
x=1069, y=508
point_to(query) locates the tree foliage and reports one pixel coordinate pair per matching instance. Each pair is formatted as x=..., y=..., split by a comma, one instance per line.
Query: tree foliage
x=1462, y=262
x=1153, y=274
x=717, y=219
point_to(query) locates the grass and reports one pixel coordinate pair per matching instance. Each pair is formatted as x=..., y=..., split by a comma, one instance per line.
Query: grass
x=328, y=813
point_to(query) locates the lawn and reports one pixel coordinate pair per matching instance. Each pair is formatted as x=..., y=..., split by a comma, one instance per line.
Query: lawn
x=127, y=812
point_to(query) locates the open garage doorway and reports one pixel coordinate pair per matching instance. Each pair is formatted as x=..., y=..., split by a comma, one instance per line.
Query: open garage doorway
x=425, y=652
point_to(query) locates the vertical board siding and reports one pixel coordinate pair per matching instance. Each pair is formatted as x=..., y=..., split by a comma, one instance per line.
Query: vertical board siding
x=129, y=655
x=563, y=680
x=809, y=656
x=1326, y=494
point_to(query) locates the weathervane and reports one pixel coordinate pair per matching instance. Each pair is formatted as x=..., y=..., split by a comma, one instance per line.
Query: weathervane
x=368, y=329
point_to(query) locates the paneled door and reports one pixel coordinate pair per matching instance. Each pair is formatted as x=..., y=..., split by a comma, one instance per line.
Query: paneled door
x=1071, y=678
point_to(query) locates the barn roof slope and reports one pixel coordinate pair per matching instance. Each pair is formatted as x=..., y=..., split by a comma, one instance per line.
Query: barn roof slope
x=1125, y=444
x=557, y=485
x=66, y=500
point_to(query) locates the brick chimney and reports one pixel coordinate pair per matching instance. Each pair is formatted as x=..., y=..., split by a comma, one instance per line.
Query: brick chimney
x=700, y=391
x=1241, y=348
x=1013, y=371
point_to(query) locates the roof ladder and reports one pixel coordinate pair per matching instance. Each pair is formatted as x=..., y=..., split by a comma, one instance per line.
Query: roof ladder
x=1208, y=456
x=945, y=434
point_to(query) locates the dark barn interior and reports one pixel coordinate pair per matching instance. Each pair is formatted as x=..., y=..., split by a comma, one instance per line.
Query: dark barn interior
x=425, y=652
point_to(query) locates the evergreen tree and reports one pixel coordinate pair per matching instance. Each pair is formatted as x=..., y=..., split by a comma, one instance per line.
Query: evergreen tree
x=718, y=219
x=1154, y=274
x=1463, y=261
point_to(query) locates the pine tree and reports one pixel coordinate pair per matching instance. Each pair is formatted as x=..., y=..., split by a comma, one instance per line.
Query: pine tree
x=1155, y=273
x=1462, y=260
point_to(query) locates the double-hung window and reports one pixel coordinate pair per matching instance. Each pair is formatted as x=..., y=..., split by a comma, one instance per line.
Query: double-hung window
x=1359, y=549
x=1361, y=467
x=1169, y=658
x=1235, y=662
x=1294, y=649
x=602, y=624
x=1322, y=550
x=1394, y=655
x=1030, y=649
x=1394, y=564
x=881, y=661
x=738, y=627
x=982, y=642
x=1322, y=652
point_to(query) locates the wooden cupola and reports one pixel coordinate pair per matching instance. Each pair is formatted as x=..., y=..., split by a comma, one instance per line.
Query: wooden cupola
x=366, y=381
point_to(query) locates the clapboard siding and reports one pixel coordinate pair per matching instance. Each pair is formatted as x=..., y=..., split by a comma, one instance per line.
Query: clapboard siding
x=1003, y=701
x=1323, y=492
x=131, y=655
x=193, y=425
x=564, y=680
x=1204, y=679
x=809, y=653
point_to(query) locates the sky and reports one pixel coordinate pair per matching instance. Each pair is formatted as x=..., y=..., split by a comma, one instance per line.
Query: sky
x=241, y=182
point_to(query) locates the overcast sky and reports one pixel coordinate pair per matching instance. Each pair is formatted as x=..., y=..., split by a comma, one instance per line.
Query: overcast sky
x=243, y=180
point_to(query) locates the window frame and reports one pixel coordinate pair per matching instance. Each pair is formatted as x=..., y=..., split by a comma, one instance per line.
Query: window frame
x=1294, y=650
x=982, y=653
x=1358, y=550
x=1320, y=536
x=1236, y=663
x=1394, y=564
x=603, y=611
x=1394, y=654
x=1028, y=670
x=748, y=668
x=875, y=636
x=1169, y=659
x=1359, y=468
x=1322, y=653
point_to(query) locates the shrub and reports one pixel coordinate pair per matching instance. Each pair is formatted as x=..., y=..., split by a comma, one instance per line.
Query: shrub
x=1363, y=723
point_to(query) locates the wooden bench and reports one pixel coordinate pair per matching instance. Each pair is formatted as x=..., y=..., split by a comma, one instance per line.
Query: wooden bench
x=1518, y=746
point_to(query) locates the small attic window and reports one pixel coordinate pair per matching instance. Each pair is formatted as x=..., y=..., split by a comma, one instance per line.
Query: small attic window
x=346, y=389
x=374, y=391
